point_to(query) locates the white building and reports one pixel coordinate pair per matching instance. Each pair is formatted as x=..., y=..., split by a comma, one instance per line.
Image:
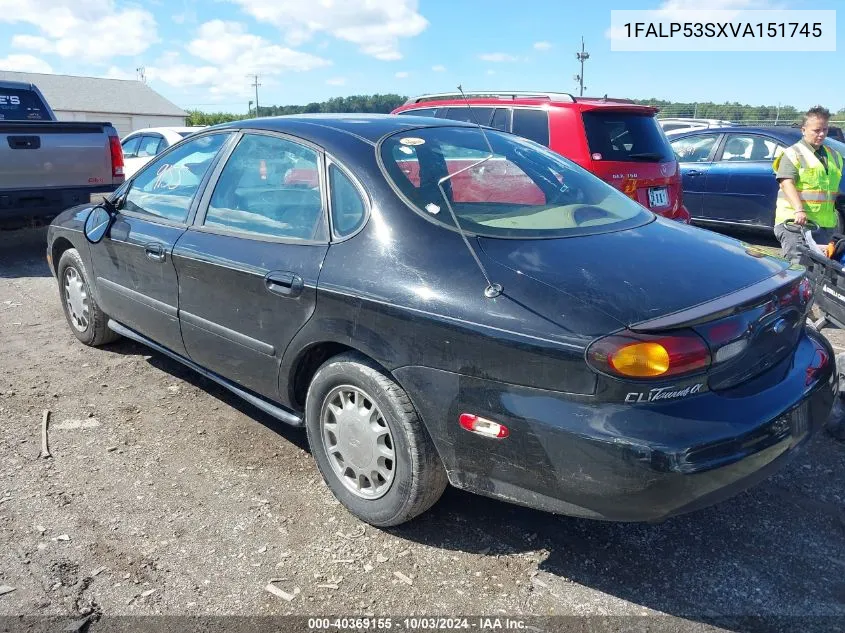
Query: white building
x=127, y=104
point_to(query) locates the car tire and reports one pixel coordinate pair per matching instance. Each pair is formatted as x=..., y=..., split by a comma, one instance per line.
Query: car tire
x=85, y=318
x=406, y=485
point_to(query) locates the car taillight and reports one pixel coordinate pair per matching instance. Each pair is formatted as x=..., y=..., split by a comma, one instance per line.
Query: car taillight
x=634, y=355
x=805, y=289
x=116, y=156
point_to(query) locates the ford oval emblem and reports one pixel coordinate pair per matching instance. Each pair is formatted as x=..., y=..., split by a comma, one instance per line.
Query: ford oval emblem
x=780, y=326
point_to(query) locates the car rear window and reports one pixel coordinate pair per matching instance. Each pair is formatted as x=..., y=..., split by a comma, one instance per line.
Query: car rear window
x=21, y=105
x=521, y=191
x=626, y=137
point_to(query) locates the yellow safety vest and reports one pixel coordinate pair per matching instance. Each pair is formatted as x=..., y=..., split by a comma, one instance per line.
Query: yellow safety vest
x=817, y=187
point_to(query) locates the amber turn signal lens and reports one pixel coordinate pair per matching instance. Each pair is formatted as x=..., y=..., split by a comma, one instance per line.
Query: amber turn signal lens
x=641, y=360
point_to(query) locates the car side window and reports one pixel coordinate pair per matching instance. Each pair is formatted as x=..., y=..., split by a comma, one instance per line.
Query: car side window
x=165, y=187
x=532, y=124
x=501, y=119
x=481, y=116
x=694, y=149
x=348, y=209
x=421, y=112
x=270, y=186
x=130, y=147
x=149, y=146
x=749, y=147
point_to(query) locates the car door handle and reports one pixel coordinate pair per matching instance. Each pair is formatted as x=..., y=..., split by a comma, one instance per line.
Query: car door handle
x=154, y=252
x=285, y=284
x=693, y=172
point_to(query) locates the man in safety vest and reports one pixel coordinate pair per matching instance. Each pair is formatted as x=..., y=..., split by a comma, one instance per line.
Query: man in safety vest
x=809, y=175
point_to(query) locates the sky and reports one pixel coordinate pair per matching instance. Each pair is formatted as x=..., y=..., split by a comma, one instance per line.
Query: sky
x=204, y=54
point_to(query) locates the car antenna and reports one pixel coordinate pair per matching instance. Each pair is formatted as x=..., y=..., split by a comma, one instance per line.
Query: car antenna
x=493, y=289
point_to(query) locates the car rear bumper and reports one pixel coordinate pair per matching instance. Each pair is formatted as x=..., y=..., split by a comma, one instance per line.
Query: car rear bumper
x=47, y=203
x=620, y=462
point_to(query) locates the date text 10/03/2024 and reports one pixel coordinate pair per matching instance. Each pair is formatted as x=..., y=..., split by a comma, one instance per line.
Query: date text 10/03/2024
x=416, y=624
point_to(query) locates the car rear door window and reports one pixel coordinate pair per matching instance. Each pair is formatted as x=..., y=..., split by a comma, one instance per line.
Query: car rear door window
x=532, y=124
x=165, y=187
x=270, y=186
x=696, y=148
x=750, y=147
x=481, y=116
x=149, y=146
x=626, y=137
x=501, y=119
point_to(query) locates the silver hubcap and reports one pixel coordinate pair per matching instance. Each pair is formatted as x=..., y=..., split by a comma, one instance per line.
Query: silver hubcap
x=76, y=298
x=358, y=442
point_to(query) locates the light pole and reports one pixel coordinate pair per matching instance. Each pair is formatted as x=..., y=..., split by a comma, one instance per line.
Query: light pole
x=581, y=57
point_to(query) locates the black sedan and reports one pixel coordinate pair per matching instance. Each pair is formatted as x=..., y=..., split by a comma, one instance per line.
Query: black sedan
x=438, y=303
x=727, y=175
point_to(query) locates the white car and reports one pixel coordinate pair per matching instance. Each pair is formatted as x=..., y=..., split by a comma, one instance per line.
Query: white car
x=682, y=124
x=142, y=145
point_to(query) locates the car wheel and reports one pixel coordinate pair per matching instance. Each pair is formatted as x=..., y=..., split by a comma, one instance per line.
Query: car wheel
x=370, y=445
x=87, y=321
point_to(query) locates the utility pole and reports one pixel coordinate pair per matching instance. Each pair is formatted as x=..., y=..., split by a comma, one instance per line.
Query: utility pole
x=255, y=85
x=581, y=57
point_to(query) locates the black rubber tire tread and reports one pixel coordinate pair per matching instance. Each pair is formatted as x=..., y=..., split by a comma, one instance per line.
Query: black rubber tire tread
x=423, y=480
x=98, y=332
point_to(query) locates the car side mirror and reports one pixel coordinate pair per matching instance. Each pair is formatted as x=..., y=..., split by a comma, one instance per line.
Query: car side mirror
x=97, y=224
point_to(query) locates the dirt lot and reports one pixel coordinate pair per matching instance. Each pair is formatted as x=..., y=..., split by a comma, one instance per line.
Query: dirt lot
x=166, y=495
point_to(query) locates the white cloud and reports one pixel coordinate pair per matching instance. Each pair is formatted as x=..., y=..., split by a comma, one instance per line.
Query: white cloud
x=336, y=81
x=497, y=57
x=25, y=64
x=401, y=75
x=376, y=26
x=90, y=30
x=230, y=53
x=118, y=73
x=439, y=68
x=714, y=5
x=491, y=72
x=542, y=46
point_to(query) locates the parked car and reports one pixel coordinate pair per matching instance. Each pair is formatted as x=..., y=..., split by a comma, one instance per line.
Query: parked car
x=141, y=145
x=617, y=140
x=728, y=178
x=48, y=165
x=672, y=126
x=436, y=304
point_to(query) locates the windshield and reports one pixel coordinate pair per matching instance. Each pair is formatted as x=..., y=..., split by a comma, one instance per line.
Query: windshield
x=626, y=137
x=524, y=190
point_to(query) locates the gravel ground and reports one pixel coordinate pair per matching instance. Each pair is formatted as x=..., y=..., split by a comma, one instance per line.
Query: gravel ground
x=167, y=495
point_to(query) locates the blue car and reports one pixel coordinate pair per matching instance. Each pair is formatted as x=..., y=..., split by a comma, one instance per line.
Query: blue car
x=727, y=175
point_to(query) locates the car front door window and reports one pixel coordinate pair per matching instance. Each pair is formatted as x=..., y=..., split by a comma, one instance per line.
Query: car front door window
x=270, y=186
x=167, y=186
x=694, y=149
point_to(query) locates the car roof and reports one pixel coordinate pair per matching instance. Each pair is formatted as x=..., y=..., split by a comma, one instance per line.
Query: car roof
x=322, y=128
x=779, y=131
x=176, y=129
x=580, y=103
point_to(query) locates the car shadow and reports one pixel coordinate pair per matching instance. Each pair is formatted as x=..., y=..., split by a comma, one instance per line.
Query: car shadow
x=778, y=549
x=126, y=347
x=23, y=253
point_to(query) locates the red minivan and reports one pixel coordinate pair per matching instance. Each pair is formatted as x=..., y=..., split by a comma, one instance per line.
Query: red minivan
x=617, y=140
